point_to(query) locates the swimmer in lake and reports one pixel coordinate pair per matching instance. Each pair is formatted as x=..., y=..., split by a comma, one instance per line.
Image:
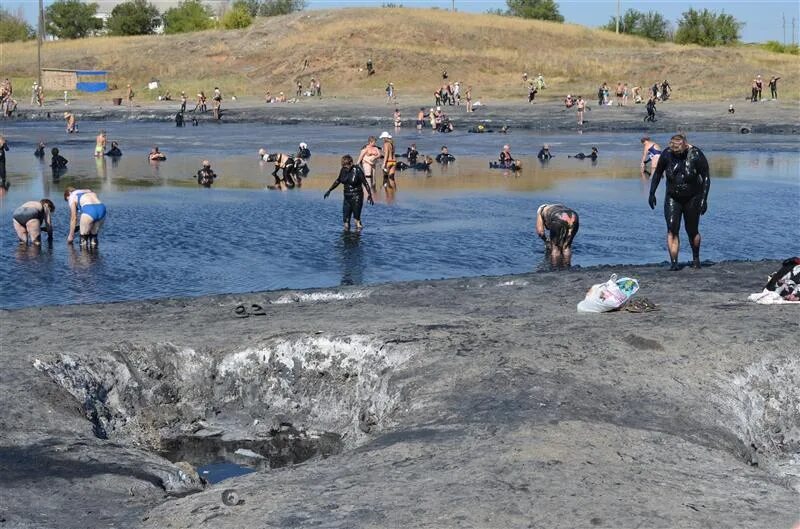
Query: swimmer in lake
x=31, y=219
x=114, y=151
x=412, y=153
x=57, y=162
x=562, y=224
x=651, y=152
x=86, y=210
x=205, y=176
x=444, y=156
x=592, y=156
x=156, y=155
x=544, y=153
x=352, y=177
x=686, y=196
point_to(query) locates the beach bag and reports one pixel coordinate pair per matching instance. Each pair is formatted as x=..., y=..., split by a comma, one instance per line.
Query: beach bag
x=608, y=296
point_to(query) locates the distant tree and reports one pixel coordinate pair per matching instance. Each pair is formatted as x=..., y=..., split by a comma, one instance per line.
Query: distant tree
x=271, y=8
x=134, y=17
x=707, y=28
x=190, y=15
x=650, y=25
x=14, y=28
x=72, y=19
x=538, y=9
x=252, y=6
x=238, y=16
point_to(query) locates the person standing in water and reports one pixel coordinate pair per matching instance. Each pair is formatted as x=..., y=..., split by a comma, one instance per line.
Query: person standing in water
x=389, y=161
x=367, y=159
x=3, y=149
x=686, y=197
x=32, y=218
x=205, y=176
x=100, y=144
x=562, y=224
x=355, y=183
x=84, y=208
x=651, y=152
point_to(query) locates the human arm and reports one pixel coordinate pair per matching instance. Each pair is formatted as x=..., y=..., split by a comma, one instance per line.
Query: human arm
x=540, y=225
x=73, y=217
x=705, y=179
x=334, y=185
x=365, y=185
x=655, y=178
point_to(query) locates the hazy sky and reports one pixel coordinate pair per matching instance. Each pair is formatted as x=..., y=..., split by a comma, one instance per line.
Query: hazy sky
x=762, y=18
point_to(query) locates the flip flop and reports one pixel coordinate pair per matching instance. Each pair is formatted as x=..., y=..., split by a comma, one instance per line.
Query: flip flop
x=641, y=305
x=241, y=312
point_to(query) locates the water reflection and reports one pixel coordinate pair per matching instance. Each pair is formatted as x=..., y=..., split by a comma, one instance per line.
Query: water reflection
x=81, y=258
x=351, y=256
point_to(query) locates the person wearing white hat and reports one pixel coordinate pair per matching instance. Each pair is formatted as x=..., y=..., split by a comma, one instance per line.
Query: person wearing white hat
x=389, y=161
x=205, y=176
x=544, y=153
x=303, y=151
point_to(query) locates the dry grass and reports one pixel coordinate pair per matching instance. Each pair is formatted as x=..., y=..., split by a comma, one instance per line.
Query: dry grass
x=409, y=47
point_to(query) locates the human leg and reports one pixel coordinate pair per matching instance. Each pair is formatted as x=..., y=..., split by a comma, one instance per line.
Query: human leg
x=691, y=218
x=673, y=211
x=22, y=233
x=347, y=211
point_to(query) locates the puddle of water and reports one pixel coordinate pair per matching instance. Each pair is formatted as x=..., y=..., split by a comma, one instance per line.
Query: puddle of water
x=222, y=470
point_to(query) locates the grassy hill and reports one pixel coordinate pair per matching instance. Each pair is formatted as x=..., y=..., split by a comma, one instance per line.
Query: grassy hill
x=409, y=47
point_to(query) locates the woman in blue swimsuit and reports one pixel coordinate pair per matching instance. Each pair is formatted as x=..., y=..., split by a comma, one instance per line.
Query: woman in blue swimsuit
x=84, y=208
x=651, y=152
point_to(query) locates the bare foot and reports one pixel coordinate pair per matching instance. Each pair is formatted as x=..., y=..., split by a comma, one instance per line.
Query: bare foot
x=347, y=226
x=359, y=226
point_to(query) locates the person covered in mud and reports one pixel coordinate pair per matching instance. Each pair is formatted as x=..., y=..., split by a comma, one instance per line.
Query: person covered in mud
x=412, y=153
x=544, y=153
x=114, y=151
x=39, y=152
x=205, y=176
x=87, y=212
x=686, y=170
x=505, y=156
x=285, y=164
x=651, y=152
x=57, y=162
x=444, y=156
x=303, y=151
x=179, y=120
x=592, y=156
x=557, y=225
x=355, y=183
x=3, y=149
x=31, y=219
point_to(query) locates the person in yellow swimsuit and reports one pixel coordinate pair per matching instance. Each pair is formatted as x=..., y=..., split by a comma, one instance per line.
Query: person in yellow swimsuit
x=389, y=161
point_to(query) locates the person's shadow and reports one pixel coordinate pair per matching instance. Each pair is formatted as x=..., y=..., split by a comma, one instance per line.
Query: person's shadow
x=352, y=258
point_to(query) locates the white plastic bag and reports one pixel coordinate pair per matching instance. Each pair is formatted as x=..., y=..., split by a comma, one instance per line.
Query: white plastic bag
x=608, y=296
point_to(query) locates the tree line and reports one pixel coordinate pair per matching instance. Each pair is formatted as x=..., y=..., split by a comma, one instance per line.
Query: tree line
x=73, y=19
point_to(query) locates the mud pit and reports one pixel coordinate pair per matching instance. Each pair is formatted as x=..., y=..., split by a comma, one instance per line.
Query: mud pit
x=486, y=402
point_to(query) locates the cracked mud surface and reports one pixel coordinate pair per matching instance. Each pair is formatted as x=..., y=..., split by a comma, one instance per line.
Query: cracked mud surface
x=476, y=403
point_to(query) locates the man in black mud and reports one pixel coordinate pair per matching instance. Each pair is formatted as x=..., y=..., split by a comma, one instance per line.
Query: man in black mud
x=205, y=176
x=688, y=182
x=352, y=178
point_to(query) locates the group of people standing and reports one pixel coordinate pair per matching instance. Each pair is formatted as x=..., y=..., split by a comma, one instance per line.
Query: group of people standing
x=757, y=86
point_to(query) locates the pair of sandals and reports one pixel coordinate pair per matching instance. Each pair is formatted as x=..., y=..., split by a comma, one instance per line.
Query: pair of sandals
x=255, y=310
x=641, y=305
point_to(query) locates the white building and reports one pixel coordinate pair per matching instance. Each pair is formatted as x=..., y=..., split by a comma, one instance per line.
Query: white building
x=104, y=8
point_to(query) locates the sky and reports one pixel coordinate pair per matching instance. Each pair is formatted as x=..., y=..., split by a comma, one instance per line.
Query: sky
x=762, y=18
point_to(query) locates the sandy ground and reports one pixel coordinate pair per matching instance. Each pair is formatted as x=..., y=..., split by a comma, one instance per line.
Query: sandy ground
x=476, y=403
x=775, y=117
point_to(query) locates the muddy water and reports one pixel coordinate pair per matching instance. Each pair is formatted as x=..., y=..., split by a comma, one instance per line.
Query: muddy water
x=166, y=237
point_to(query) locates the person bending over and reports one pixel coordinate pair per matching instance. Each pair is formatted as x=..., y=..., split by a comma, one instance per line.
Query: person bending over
x=651, y=152
x=686, y=196
x=32, y=218
x=355, y=183
x=562, y=224
x=84, y=208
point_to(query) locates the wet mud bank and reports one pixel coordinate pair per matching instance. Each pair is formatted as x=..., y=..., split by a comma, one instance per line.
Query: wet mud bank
x=483, y=402
x=767, y=117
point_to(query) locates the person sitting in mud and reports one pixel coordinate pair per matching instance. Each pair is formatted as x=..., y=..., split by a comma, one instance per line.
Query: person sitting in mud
x=57, y=162
x=71, y=123
x=651, y=152
x=731, y=110
x=544, y=153
x=205, y=176
x=562, y=224
x=412, y=153
x=39, y=152
x=504, y=130
x=114, y=151
x=285, y=164
x=592, y=156
x=444, y=156
x=31, y=219
x=303, y=151
x=505, y=156
x=569, y=102
x=86, y=212
x=156, y=155
x=479, y=129
x=424, y=165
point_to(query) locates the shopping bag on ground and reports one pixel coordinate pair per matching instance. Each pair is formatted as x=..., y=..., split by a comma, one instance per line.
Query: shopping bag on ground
x=608, y=296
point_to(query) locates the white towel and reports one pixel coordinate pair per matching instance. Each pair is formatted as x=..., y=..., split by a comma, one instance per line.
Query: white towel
x=768, y=297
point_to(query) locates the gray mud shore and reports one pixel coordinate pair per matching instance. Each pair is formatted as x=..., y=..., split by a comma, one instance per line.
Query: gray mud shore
x=769, y=117
x=476, y=403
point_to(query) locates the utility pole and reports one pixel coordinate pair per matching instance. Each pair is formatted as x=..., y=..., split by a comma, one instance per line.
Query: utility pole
x=794, y=39
x=40, y=34
x=783, y=16
x=617, y=17
x=454, y=6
